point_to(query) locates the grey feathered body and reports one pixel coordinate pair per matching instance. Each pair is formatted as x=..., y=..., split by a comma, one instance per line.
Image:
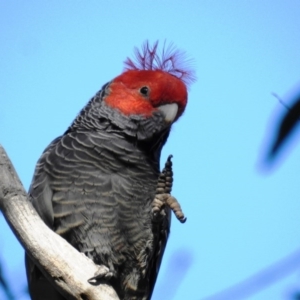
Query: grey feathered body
x=94, y=186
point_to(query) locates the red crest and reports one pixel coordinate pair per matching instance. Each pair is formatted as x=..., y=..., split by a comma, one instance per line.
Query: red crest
x=169, y=59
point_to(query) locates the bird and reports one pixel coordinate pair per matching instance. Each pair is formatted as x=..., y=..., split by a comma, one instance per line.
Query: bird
x=99, y=185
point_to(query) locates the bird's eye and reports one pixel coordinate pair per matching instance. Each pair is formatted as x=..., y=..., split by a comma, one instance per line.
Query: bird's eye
x=144, y=91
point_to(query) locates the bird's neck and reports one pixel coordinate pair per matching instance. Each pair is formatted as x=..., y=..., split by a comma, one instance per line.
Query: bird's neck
x=146, y=134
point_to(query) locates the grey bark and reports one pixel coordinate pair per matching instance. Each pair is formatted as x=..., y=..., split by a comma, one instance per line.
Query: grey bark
x=66, y=268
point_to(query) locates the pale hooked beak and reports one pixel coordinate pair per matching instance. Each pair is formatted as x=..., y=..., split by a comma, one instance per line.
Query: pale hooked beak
x=170, y=111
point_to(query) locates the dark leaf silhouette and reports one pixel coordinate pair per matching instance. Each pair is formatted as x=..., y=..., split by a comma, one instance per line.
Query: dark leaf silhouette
x=286, y=127
x=296, y=296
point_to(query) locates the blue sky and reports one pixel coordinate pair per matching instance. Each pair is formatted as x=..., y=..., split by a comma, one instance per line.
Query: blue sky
x=242, y=216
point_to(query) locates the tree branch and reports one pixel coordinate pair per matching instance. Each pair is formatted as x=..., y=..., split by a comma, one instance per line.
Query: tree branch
x=65, y=268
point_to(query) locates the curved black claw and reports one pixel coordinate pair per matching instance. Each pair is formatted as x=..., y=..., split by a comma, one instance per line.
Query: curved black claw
x=103, y=273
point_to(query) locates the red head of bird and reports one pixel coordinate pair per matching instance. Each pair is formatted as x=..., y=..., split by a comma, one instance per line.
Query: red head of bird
x=146, y=98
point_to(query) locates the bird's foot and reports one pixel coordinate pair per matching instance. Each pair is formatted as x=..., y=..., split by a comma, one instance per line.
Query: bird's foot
x=103, y=273
x=163, y=197
x=162, y=200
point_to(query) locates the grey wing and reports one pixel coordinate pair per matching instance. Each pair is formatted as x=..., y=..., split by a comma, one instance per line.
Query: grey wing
x=64, y=195
x=68, y=183
x=40, y=192
x=40, y=195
